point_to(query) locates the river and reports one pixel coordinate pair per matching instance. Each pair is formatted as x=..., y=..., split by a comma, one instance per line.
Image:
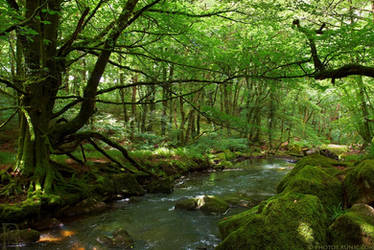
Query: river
x=154, y=223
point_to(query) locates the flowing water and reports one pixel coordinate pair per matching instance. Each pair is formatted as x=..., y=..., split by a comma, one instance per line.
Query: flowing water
x=153, y=222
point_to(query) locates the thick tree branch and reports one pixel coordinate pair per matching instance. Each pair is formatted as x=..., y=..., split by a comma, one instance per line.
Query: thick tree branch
x=11, y=85
x=24, y=22
x=344, y=71
x=322, y=71
x=66, y=47
x=88, y=104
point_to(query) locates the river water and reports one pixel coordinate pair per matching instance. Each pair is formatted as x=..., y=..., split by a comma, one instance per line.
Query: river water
x=153, y=222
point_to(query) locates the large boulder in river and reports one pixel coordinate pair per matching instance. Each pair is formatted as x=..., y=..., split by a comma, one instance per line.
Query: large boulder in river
x=208, y=204
x=359, y=184
x=319, y=181
x=125, y=184
x=87, y=206
x=355, y=227
x=163, y=185
x=285, y=221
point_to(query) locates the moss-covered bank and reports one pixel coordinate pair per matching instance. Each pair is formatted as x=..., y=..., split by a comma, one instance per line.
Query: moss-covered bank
x=297, y=217
x=86, y=189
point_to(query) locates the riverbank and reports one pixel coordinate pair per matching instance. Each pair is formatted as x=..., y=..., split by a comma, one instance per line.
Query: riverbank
x=154, y=222
x=322, y=202
x=88, y=188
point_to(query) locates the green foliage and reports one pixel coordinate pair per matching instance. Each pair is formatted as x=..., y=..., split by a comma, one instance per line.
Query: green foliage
x=217, y=142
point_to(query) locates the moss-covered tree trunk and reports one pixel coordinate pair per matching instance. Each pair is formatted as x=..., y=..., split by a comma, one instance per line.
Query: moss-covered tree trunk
x=44, y=59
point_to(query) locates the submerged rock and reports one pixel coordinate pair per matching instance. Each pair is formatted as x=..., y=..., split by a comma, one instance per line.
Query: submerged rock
x=118, y=239
x=355, y=227
x=87, y=206
x=25, y=236
x=359, y=184
x=285, y=221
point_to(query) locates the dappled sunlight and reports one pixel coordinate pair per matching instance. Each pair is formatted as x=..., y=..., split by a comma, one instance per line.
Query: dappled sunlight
x=306, y=232
x=67, y=233
x=50, y=238
x=56, y=238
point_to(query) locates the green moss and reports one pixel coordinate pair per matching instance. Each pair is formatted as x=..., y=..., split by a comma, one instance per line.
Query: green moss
x=212, y=204
x=316, y=181
x=19, y=211
x=207, y=204
x=164, y=185
x=355, y=227
x=317, y=160
x=359, y=183
x=125, y=184
x=187, y=204
x=230, y=224
x=336, y=149
x=285, y=221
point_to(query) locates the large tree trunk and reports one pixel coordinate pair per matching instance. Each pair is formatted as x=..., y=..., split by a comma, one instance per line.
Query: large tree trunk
x=44, y=66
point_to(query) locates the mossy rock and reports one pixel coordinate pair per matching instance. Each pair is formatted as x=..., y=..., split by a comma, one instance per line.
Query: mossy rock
x=213, y=205
x=285, y=221
x=239, y=200
x=19, y=212
x=359, y=183
x=87, y=206
x=164, y=185
x=317, y=181
x=318, y=160
x=24, y=236
x=207, y=204
x=355, y=227
x=186, y=204
x=125, y=184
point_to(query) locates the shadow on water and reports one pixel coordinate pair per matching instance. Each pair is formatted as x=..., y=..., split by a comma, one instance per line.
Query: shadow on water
x=153, y=222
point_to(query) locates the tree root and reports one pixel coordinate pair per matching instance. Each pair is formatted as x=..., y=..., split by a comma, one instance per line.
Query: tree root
x=90, y=136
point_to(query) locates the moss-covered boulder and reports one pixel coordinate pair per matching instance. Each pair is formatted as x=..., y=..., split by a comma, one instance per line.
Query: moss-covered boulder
x=186, y=204
x=239, y=200
x=318, y=160
x=317, y=181
x=213, y=205
x=24, y=236
x=125, y=184
x=163, y=185
x=359, y=183
x=355, y=227
x=20, y=211
x=285, y=221
x=207, y=204
x=87, y=206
